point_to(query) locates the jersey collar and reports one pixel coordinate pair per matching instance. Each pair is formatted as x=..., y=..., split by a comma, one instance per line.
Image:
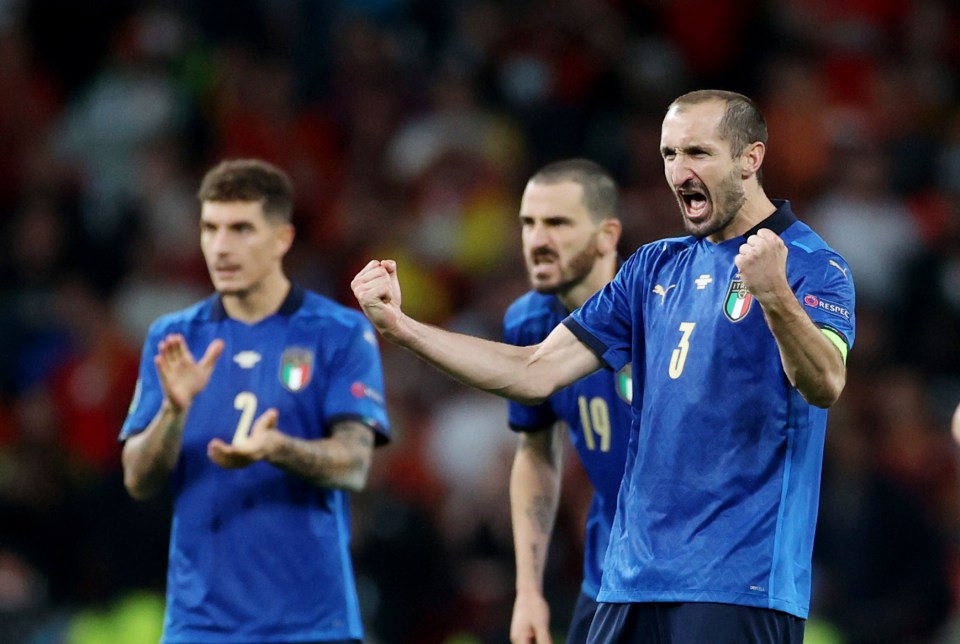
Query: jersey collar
x=779, y=221
x=291, y=304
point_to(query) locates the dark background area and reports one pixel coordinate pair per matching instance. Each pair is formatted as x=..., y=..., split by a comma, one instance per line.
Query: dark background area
x=409, y=128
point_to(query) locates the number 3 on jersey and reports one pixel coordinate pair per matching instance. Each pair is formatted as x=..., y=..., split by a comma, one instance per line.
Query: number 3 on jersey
x=679, y=357
x=595, y=418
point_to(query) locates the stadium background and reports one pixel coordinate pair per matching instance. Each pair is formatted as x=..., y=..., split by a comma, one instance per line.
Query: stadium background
x=409, y=127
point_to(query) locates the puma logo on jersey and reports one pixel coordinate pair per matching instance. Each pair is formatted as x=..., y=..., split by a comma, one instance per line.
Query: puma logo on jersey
x=837, y=266
x=662, y=292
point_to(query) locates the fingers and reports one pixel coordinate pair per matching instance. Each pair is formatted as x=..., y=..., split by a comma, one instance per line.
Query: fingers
x=213, y=352
x=267, y=420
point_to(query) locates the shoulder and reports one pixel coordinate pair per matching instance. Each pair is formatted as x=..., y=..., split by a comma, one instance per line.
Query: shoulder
x=320, y=310
x=808, y=244
x=531, y=317
x=530, y=306
x=656, y=252
x=197, y=313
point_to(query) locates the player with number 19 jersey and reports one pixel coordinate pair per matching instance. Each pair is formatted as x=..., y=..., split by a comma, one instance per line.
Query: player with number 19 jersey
x=721, y=486
x=288, y=562
x=597, y=411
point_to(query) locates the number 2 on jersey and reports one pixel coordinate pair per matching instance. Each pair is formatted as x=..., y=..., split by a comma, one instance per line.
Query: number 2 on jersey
x=595, y=418
x=679, y=357
x=246, y=402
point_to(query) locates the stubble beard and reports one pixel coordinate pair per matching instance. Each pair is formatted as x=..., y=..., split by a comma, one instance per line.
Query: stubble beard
x=729, y=200
x=573, y=273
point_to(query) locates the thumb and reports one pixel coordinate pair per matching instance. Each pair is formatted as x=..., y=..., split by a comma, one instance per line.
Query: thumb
x=268, y=420
x=390, y=265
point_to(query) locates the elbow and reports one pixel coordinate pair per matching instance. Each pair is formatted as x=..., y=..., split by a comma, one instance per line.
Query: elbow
x=533, y=391
x=355, y=481
x=355, y=478
x=137, y=487
x=825, y=393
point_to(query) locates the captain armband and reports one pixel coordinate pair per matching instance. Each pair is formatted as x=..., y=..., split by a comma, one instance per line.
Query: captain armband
x=837, y=340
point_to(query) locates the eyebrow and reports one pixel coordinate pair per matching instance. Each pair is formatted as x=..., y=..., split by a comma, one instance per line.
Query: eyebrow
x=690, y=149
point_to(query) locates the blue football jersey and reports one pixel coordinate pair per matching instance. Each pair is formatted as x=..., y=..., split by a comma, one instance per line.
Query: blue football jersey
x=719, y=498
x=597, y=411
x=257, y=554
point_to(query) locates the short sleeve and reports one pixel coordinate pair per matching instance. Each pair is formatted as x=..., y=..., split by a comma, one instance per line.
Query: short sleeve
x=356, y=387
x=605, y=321
x=525, y=418
x=148, y=395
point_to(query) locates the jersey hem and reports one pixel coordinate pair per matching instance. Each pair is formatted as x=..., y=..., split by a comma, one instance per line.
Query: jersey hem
x=714, y=597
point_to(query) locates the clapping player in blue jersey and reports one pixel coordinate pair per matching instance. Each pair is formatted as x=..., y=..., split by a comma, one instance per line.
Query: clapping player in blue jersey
x=739, y=333
x=260, y=438
x=570, y=228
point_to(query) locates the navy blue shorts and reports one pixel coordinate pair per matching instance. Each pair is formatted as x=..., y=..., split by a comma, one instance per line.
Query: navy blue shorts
x=583, y=612
x=693, y=623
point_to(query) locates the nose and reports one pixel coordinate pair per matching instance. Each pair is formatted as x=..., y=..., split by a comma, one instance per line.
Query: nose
x=678, y=171
x=538, y=235
x=217, y=241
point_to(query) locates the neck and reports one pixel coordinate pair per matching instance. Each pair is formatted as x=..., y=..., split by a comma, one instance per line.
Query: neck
x=602, y=272
x=756, y=207
x=259, y=302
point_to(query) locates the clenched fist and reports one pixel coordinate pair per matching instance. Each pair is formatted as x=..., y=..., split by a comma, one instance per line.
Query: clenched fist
x=762, y=262
x=377, y=289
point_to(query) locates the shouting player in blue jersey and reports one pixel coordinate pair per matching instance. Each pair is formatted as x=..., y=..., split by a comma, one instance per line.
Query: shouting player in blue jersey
x=262, y=437
x=739, y=333
x=570, y=229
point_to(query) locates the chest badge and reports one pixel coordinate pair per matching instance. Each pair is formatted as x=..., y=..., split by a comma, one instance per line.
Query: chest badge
x=738, y=301
x=296, y=368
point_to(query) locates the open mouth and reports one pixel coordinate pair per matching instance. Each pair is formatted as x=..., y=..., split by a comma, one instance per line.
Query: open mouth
x=694, y=202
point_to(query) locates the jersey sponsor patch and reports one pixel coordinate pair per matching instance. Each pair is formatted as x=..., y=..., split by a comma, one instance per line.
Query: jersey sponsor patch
x=296, y=368
x=815, y=302
x=360, y=390
x=738, y=301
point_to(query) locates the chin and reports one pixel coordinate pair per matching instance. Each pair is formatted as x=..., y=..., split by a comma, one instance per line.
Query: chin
x=545, y=287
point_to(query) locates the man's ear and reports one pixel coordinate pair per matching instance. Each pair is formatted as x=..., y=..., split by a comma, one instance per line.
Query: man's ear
x=752, y=159
x=285, y=235
x=608, y=235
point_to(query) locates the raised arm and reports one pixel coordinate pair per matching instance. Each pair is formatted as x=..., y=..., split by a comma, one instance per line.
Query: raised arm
x=525, y=374
x=534, y=497
x=812, y=363
x=149, y=456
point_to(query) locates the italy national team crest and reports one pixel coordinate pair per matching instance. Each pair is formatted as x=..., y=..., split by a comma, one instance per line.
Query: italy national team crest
x=738, y=301
x=296, y=367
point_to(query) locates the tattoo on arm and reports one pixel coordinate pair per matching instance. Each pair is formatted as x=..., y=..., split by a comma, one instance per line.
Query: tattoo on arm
x=540, y=511
x=340, y=461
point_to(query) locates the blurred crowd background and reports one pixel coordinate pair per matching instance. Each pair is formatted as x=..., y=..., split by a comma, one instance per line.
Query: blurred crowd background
x=409, y=128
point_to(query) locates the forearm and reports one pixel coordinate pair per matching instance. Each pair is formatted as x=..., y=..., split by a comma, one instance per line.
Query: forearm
x=534, y=498
x=150, y=456
x=812, y=363
x=525, y=374
x=341, y=461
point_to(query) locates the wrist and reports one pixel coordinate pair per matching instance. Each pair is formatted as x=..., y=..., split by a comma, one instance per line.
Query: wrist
x=274, y=447
x=167, y=406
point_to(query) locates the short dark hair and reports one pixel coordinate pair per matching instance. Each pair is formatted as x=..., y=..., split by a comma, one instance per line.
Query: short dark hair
x=742, y=123
x=599, y=187
x=250, y=180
